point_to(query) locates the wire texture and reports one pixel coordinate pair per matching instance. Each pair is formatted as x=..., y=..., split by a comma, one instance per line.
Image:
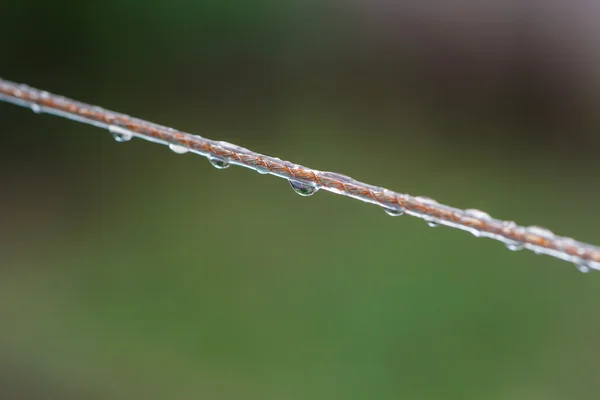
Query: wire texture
x=306, y=181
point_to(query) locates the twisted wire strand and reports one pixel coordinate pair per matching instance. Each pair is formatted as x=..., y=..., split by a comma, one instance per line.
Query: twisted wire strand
x=306, y=180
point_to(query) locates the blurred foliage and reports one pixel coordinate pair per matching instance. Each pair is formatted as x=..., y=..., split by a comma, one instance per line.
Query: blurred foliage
x=130, y=272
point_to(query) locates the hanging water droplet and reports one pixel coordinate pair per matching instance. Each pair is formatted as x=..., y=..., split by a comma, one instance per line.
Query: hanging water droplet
x=218, y=163
x=120, y=134
x=176, y=148
x=303, y=189
x=432, y=224
x=36, y=108
x=583, y=267
x=476, y=232
x=394, y=212
x=514, y=246
x=120, y=137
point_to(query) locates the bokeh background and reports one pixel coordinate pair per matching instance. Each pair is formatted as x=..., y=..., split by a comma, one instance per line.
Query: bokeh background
x=128, y=271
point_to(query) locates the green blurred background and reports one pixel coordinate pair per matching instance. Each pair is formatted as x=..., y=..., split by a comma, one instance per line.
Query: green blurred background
x=128, y=271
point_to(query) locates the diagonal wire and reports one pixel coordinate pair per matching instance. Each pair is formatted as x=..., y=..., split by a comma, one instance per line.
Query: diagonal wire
x=306, y=181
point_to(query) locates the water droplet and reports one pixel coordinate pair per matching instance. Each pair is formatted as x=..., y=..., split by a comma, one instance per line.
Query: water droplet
x=539, y=231
x=218, y=163
x=432, y=224
x=336, y=176
x=510, y=224
x=477, y=214
x=36, y=108
x=262, y=170
x=583, y=267
x=394, y=212
x=514, y=246
x=426, y=200
x=476, y=232
x=303, y=189
x=176, y=148
x=120, y=134
x=119, y=137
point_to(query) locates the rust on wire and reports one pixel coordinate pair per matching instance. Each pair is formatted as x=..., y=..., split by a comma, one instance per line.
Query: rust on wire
x=515, y=237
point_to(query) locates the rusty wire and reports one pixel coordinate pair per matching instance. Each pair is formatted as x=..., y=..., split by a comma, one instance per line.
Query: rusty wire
x=306, y=180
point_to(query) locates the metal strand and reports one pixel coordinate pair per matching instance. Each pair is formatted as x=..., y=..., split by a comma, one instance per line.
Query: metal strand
x=539, y=240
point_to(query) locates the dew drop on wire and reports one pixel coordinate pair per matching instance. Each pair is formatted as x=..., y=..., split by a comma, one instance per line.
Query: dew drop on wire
x=426, y=200
x=394, y=212
x=122, y=137
x=178, y=149
x=477, y=214
x=432, y=224
x=302, y=188
x=262, y=170
x=539, y=231
x=514, y=246
x=583, y=267
x=218, y=162
x=36, y=108
x=120, y=134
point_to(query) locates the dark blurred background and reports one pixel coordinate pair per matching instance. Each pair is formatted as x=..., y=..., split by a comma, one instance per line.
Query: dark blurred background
x=127, y=271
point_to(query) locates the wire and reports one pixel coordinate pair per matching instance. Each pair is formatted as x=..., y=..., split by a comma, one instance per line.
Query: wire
x=307, y=181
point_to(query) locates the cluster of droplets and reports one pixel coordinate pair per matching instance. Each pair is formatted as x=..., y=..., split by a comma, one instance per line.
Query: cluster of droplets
x=582, y=265
x=303, y=189
x=513, y=245
x=121, y=134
